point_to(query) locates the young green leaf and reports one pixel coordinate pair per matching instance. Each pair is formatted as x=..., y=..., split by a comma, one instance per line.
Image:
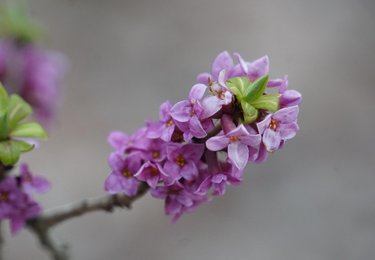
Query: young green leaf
x=29, y=130
x=18, y=110
x=3, y=99
x=267, y=102
x=250, y=113
x=10, y=151
x=238, y=86
x=256, y=89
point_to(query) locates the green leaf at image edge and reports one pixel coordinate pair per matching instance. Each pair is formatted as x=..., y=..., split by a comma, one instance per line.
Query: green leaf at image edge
x=18, y=109
x=10, y=151
x=29, y=130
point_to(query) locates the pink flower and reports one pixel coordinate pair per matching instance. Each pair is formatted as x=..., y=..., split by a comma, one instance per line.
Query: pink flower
x=240, y=143
x=188, y=113
x=182, y=161
x=278, y=127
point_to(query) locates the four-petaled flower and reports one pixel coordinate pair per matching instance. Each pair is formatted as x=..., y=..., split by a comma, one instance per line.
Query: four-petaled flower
x=241, y=144
x=182, y=161
x=278, y=127
x=188, y=113
x=122, y=179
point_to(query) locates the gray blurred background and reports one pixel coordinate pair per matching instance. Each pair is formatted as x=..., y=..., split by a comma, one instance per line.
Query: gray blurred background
x=315, y=199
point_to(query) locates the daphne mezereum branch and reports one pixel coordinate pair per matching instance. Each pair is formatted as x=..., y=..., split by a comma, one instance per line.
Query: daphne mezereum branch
x=107, y=203
x=41, y=225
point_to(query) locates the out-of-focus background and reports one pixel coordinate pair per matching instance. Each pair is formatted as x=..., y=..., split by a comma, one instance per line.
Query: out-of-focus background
x=315, y=199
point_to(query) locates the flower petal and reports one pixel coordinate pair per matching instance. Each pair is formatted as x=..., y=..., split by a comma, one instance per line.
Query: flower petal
x=238, y=153
x=196, y=128
x=204, y=78
x=217, y=143
x=197, y=92
x=211, y=105
x=271, y=140
x=181, y=111
x=222, y=61
x=286, y=115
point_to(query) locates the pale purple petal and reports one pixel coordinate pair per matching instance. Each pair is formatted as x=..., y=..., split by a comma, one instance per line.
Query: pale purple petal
x=243, y=64
x=217, y=143
x=165, y=109
x=196, y=128
x=181, y=111
x=40, y=184
x=118, y=140
x=211, y=105
x=112, y=184
x=204, y=78
x=258, y=68
x=271, y=140
x=290, y=98
x=189, y=171
x=239, y=131
x=251, y=140
x=263, y=125
x=286, y=115
x=288, y=131
x=238, y=153
x=197, y=92
x=222, y=61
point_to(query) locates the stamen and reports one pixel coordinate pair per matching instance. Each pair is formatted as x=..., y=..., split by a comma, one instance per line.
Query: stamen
x=169, y=123
x=155, y=155
x=4, y=196
x=273, y=124
x=233, y=139
x=154, y=171
x=127, y=174
x=180, y=160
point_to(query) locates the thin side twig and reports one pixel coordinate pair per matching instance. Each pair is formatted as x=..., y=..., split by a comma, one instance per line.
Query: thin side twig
x=42, y=224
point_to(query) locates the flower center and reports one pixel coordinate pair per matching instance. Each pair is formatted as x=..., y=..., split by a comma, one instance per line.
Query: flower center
x=127, y=174
x=273, y=124
x=155, y=155
x=233, y=139
x=169, y=123
x=154, y=171
x=4, y=196
x=180, y=160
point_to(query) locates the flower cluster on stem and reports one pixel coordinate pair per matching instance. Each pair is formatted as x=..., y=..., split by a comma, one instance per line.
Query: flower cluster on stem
x=200, y=145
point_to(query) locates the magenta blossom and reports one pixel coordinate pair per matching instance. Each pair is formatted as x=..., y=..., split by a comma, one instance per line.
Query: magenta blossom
x=182, y=161
x=30, y=182
x=220, y=96
x=156, y=151
x=15, y=204
x=122, y=177
x=151, y=173
x=124, y=143
x=177, y=199
x=188, y=113
x=223, y=62
x=165, y=127
x=218, y=176
x=256, y=69
x=240, y=143
x=278, y=127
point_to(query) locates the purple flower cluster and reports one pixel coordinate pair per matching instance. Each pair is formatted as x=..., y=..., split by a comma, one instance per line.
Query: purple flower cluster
x=34, y=74
x=202, y=144
x=16, y=202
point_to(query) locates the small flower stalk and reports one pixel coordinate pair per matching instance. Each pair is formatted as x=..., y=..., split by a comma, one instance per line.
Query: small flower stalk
x=233, y=116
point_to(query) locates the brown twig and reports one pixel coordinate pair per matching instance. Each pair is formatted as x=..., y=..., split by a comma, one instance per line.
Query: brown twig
x=42, y=224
